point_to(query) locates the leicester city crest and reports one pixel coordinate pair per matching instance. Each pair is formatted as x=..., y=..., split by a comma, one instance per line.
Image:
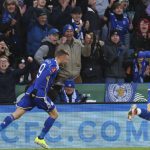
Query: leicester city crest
x=119, y=93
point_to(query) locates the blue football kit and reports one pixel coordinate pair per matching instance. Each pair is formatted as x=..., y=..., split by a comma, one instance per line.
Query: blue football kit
x=36, y=95
x=144, y=113
x=42, y=84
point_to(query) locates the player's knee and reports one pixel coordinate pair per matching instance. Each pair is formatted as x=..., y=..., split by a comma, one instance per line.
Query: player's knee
x=54, y=115
x=16, y=116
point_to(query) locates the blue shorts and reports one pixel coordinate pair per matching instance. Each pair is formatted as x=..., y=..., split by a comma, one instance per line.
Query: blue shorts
x=28, y=104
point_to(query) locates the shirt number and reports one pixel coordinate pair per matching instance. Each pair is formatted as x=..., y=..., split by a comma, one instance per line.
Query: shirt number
x=42, y=67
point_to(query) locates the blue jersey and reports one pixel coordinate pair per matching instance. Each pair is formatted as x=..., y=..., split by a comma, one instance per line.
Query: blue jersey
x=121, y=25
x=45, y=78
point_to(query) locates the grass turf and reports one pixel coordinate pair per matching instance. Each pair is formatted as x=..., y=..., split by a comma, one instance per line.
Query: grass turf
x=140, y=148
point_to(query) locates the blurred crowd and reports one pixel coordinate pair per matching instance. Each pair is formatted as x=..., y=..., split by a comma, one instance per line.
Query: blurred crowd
x=108, y=41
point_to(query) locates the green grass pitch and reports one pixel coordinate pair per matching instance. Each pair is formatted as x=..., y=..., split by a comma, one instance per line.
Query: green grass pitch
x=141, y=148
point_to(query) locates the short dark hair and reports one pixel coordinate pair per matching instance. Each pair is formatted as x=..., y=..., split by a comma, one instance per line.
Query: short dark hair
x=4, y=56
x=61, y=52
x=76, y=10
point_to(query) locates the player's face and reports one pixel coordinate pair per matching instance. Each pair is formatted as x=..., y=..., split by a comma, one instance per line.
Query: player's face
x=64, y=59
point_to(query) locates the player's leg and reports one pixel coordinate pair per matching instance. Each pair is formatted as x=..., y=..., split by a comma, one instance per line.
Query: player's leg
x=9, y=119
x=49, y=106
x=49, y=123
x=22, y=106
x=143, y=113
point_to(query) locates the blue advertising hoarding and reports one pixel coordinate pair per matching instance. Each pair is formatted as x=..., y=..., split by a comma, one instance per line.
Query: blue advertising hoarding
x=78, y=126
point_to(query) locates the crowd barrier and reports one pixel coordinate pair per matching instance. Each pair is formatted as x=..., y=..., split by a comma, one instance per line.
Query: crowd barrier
x=103, y=93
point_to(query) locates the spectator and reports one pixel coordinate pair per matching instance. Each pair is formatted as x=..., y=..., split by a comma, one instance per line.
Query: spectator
x=75, y=49
x=31, y=13
x=12, y=28
x=93, y=66
x=140, y=12
x=118, y=21
x=61, y=14
x=8, y=78
x=69, y=94
x=141, y=40
x=48, y=46
x=116, y=58
x=104, y=33
x=36, y=32
x=92, y=19
x=147, y=74
x=77, y=23
x=4, y=49
x=109, y=9
x=140, y=67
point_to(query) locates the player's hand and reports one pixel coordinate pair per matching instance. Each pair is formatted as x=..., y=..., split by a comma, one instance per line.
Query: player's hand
x=33, y=94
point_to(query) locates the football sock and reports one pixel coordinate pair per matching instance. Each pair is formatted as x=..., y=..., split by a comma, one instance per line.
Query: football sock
x=47, y=125
x=144, y=114
x=6, y=122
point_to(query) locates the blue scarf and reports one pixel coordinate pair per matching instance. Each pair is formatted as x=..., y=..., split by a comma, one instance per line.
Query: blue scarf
x=78, y=32
x=75, y=97
x=7, y=17
x=138, y=75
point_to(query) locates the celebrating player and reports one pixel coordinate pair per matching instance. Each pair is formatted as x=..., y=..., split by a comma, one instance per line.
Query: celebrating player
x=143, y=113
x=36, y=95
